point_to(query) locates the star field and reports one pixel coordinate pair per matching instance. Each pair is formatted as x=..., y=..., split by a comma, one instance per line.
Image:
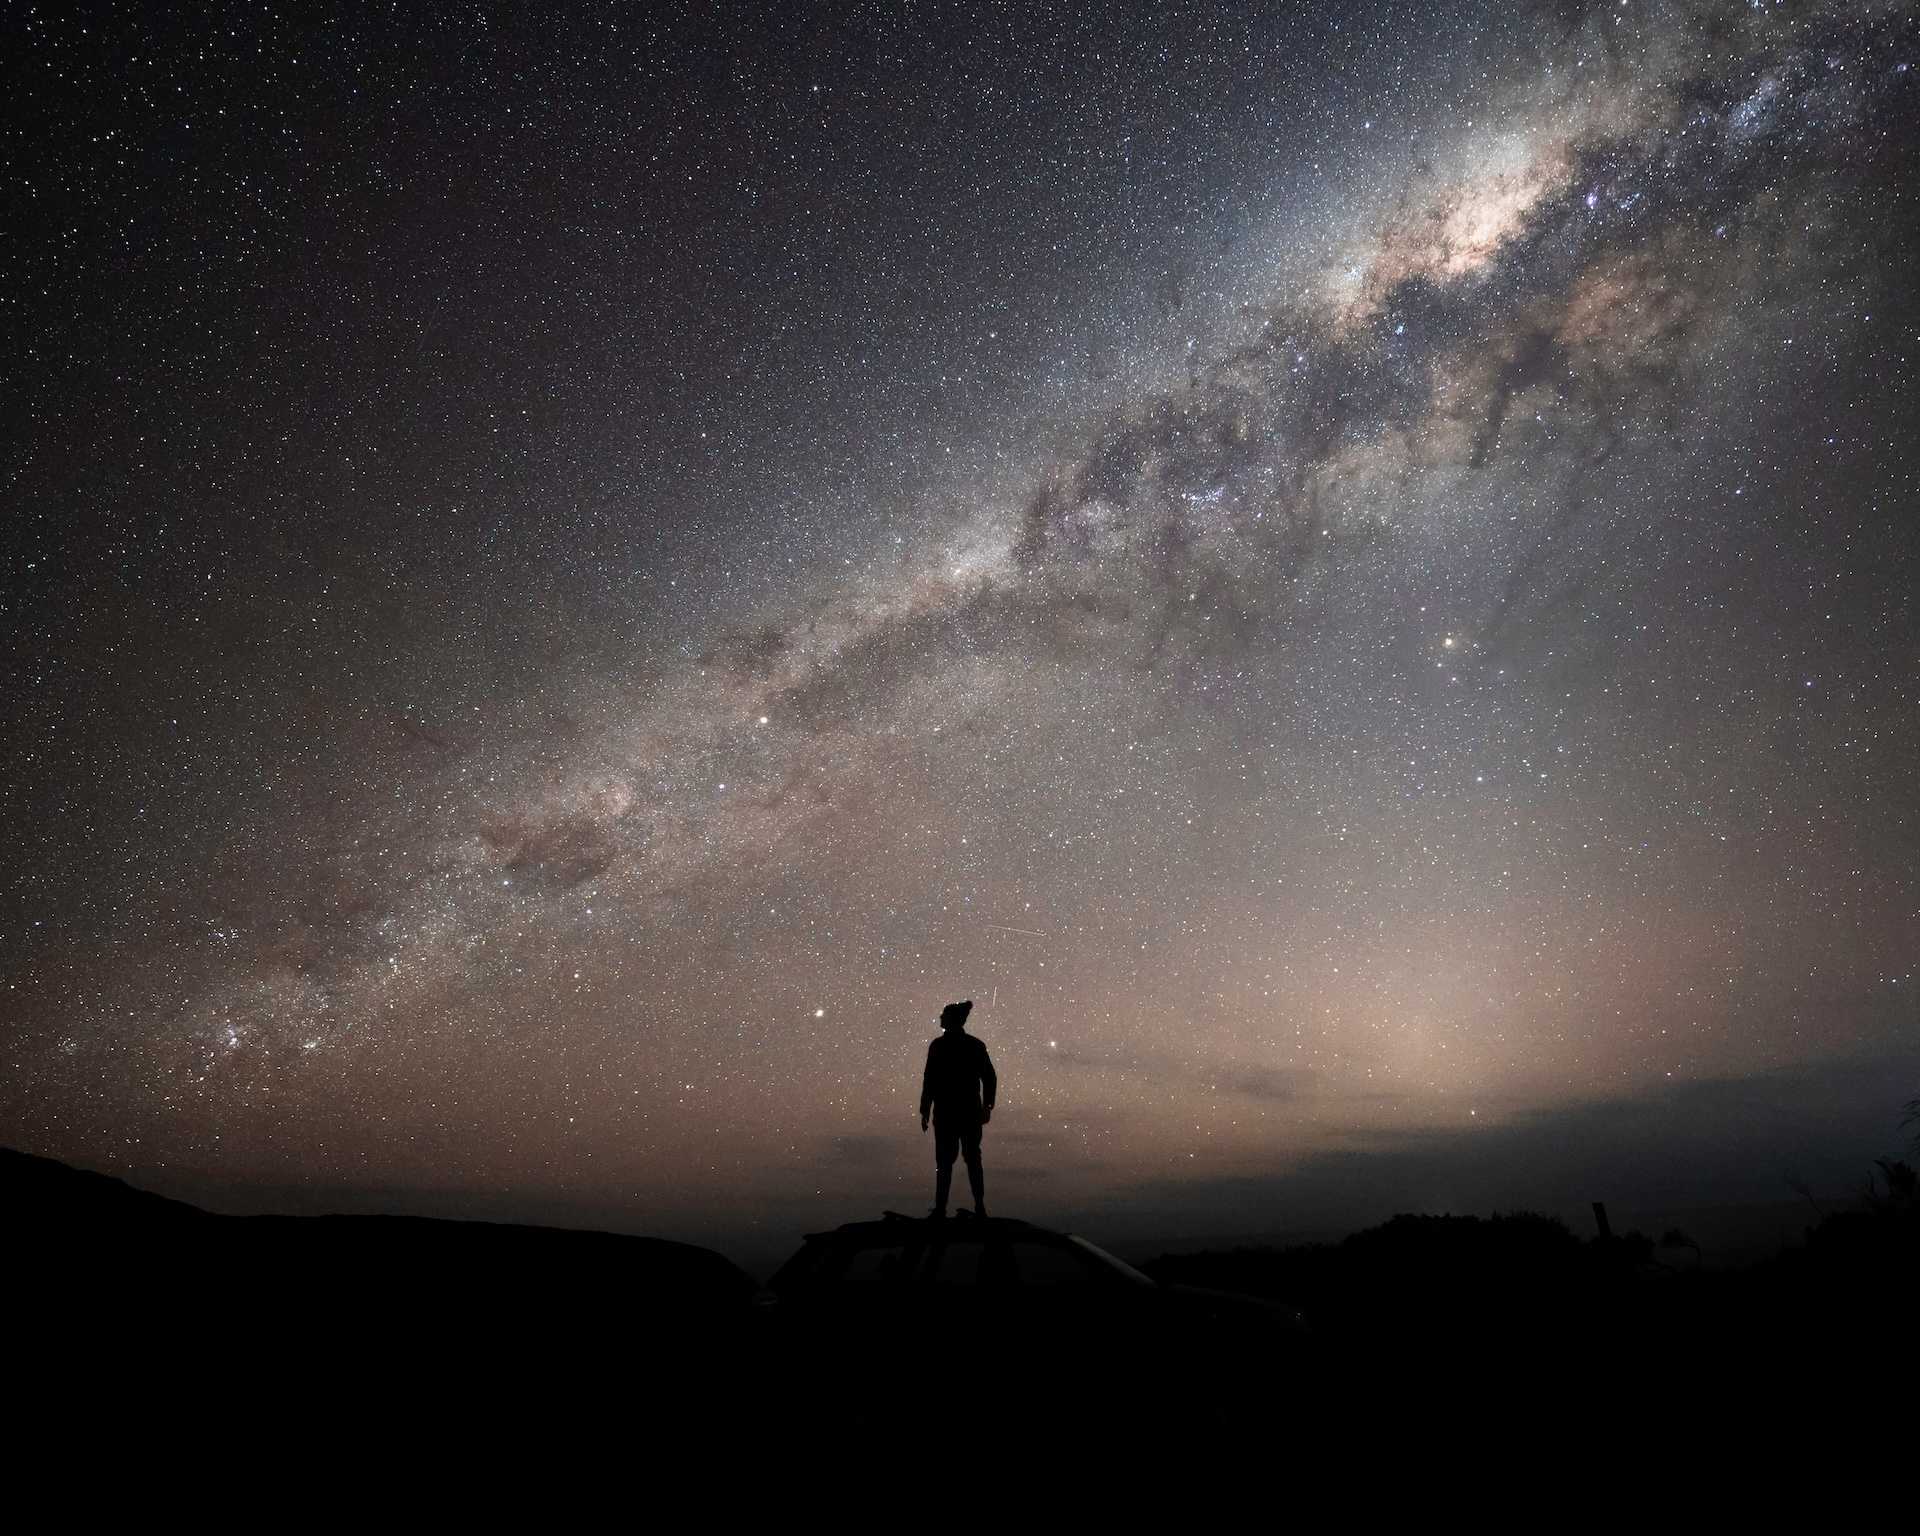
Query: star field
x=1346, y=572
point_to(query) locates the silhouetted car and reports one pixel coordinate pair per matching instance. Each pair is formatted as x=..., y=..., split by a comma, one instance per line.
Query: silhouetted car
x=890, y=1332
x=1051, y=1290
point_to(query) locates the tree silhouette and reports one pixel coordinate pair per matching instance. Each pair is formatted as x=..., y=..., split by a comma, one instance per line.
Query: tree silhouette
x=1903, y=1186
x=1673, y=1238
x=1804, y=1190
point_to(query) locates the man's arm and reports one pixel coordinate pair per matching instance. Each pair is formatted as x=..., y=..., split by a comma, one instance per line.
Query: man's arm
x=989, y=1084
x=926, y=1088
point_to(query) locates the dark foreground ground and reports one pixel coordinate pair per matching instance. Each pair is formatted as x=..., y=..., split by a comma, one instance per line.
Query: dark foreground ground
x=137, y=1315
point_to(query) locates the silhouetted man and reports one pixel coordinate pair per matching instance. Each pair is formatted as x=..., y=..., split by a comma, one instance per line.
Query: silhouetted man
x=958, y=1089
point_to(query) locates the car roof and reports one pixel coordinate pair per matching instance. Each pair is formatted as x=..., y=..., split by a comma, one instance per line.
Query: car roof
x=895, y=1228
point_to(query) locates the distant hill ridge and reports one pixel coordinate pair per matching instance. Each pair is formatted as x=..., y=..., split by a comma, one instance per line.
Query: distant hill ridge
x=88, y=1238
x=39, y=1191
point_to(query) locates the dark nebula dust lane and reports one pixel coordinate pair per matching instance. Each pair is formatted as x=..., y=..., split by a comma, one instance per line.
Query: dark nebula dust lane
x=1346, y=572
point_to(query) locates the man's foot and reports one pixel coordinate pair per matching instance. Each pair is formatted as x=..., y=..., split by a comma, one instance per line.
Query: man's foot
x=980, y=1211
x=938, y=1213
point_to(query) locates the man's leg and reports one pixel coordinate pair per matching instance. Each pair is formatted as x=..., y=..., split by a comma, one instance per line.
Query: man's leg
x=976, y=1175
x=946, y=1145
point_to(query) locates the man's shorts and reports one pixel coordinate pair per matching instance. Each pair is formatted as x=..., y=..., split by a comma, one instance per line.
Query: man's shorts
x=950, y=1137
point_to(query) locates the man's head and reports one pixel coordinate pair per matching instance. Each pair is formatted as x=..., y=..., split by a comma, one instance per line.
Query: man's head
x=954, y=1015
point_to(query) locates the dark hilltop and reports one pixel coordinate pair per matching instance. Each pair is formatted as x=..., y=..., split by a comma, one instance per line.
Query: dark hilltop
x=1035, y=1330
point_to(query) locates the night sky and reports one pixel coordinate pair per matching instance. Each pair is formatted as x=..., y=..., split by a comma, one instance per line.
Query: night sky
x=1347, y=572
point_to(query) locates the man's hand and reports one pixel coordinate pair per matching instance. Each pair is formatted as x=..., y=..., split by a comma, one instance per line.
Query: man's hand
x=985, y=1116
x=923, y=1122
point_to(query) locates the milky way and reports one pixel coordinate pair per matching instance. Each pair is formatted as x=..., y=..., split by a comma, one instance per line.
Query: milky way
x=570, y=590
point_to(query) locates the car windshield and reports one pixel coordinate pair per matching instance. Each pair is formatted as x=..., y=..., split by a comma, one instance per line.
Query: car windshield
x=962, y=1260
x=1120, y=1267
